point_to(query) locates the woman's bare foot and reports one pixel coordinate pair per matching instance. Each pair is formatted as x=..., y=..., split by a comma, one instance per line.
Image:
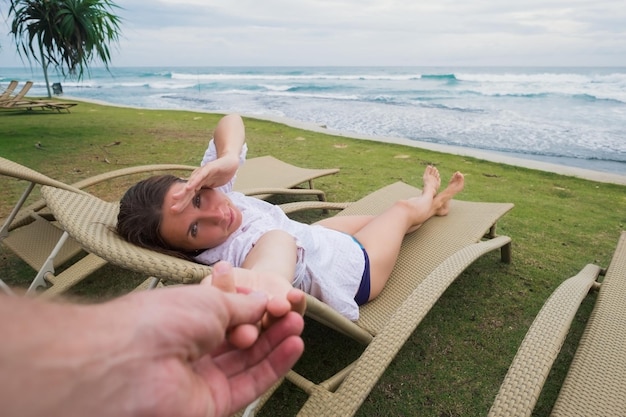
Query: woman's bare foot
x=442, y=200
x=432, y=181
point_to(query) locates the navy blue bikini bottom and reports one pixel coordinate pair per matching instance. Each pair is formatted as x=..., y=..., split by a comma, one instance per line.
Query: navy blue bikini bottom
x=363, y=294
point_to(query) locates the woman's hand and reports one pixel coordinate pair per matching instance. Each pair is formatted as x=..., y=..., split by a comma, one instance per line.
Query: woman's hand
x=282, y=296
x=214, y=174
x=229, y=138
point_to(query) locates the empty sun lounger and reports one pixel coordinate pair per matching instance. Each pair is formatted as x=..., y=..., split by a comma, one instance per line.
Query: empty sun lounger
x=19, y=101
x=6, y=94
x=595, y=384
x=265, y=176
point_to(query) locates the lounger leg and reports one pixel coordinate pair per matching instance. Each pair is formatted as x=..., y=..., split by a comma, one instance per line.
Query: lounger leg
x=48, y=266
x=4, y=232
x=505, y=253
x=154, y=282
x=6, y=289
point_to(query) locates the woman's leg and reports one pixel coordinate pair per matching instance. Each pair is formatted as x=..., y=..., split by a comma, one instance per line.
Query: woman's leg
x=349, y=224
x=382, y=235
x=345, y=224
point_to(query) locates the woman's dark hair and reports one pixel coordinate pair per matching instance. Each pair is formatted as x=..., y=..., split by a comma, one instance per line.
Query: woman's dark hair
x=141, y=212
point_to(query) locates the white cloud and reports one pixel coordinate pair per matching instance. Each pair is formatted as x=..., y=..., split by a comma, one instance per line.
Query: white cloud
x=367, y=32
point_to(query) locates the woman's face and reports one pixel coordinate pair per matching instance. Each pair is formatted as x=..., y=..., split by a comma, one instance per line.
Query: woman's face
x=205, y=223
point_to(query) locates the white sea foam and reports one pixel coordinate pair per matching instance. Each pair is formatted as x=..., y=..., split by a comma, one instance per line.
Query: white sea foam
x=568, y=114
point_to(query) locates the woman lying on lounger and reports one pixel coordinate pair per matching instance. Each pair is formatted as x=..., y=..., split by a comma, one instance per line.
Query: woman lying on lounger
x=343, y=261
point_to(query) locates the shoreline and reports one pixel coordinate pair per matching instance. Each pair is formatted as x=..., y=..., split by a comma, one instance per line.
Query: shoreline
x=491, y=156
x=588, y=174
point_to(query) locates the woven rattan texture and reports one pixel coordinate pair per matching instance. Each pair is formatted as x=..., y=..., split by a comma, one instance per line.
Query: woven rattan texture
x=596, y=382
x=267, y=171
x=430, y=261
x=91, y=221
x=522, y=385
x=424, y=250
x=12, y=169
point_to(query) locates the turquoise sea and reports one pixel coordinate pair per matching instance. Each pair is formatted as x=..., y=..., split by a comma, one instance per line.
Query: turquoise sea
x=567, y=116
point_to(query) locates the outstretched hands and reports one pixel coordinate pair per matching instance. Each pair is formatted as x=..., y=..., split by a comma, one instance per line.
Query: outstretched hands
x=220, y=360
x=186, y=351
x=283, y=298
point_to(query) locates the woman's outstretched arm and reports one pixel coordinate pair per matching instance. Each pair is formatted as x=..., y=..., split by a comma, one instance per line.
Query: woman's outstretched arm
x=270, y=268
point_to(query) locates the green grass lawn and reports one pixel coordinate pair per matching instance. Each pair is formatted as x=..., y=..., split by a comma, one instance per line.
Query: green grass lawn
x=454, y=362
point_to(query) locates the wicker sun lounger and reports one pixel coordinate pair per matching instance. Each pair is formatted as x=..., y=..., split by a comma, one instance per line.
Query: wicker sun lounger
x=20, y=94
x=33, y=235
x=6, y=94
x=431, y=258
x=596, y=381
x=29, y=104
x=19, y=101
x=265, y=176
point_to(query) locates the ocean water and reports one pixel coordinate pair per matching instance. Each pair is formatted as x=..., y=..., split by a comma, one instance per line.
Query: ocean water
x=567, y=116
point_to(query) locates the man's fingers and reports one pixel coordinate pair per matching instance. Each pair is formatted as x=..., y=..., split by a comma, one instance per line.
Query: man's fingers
x=243, y=336
x=277, y=307
x=240, y=361
x=247, y=386
x=205, y=313
x=297, y=299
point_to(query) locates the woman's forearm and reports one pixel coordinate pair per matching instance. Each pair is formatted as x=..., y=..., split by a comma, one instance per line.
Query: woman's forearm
x=229, y=136
x=274, y=252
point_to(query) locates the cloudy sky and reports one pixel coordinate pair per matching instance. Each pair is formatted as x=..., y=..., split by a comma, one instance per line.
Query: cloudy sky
x=364, y=32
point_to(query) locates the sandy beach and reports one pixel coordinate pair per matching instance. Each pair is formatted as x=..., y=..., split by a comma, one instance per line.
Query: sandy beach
x=456, y=150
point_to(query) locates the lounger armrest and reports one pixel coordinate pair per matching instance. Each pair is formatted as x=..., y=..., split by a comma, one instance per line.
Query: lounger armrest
x=329, y=317
x=529, y=370
x=130, y=171
x=25, y=214
x=296, y=206
x=281, y=191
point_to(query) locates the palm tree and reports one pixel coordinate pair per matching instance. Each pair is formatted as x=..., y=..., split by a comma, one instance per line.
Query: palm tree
x=66, y=33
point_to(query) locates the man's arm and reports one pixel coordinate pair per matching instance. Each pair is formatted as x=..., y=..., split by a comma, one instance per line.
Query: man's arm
x=157, y=353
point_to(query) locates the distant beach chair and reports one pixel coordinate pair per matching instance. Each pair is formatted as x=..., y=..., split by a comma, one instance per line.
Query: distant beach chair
x=20, y=95
x=595, y=384
x=6, y=94
x=20, y=102
x=265, y=176
x=41, y=104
